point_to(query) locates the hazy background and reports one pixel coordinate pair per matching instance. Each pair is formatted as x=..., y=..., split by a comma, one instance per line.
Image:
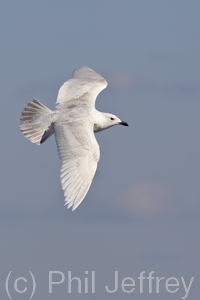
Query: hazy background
x=142, y=212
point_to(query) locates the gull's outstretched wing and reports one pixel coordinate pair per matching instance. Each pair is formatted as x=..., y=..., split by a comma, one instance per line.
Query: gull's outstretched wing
x=84, y=81
x=79, y=152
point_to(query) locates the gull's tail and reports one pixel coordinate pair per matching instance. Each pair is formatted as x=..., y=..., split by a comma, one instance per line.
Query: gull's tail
x=36, y=122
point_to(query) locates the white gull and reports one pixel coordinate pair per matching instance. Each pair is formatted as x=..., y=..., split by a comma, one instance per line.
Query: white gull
x=74, y=122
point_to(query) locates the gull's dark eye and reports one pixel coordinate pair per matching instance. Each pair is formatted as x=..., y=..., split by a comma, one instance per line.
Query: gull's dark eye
x=112, y=119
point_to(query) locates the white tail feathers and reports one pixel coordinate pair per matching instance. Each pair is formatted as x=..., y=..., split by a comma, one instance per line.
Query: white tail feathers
x=36, y=122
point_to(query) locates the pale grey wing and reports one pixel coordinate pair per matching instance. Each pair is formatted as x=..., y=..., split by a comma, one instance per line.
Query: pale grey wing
x=84, y=81
x=79, y=152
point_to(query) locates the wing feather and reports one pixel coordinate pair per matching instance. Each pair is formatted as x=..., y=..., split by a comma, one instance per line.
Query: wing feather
x=85, y=81
x=79, y=152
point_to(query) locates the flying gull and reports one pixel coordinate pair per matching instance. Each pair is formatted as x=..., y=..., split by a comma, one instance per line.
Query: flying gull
x=74, y=122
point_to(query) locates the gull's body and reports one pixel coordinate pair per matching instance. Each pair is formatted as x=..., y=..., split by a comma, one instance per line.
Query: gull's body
x=74, y=122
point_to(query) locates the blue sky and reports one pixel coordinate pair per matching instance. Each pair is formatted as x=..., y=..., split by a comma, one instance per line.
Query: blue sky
x=142, y=211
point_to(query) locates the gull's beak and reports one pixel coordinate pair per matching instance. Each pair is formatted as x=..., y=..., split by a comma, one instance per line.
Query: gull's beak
x=123, y=123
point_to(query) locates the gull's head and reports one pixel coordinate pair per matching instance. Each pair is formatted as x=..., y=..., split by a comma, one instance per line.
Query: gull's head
x=112, y=120
x=108, y=120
